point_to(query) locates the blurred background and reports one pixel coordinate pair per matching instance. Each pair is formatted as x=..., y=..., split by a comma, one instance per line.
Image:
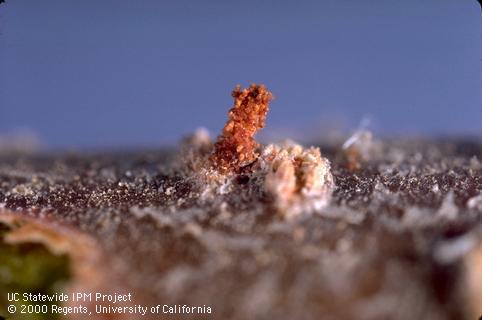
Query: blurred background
x=91, y=74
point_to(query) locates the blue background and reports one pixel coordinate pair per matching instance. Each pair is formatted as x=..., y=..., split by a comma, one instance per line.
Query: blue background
x=138, y=73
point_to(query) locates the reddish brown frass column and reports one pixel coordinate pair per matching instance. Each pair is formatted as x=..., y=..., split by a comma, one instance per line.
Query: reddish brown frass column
x=236, y=146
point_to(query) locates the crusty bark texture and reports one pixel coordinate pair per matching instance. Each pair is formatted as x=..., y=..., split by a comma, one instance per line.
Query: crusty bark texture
x=398, y=238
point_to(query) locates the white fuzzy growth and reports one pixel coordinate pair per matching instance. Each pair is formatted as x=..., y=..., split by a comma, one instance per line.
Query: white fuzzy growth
x=299, y=179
